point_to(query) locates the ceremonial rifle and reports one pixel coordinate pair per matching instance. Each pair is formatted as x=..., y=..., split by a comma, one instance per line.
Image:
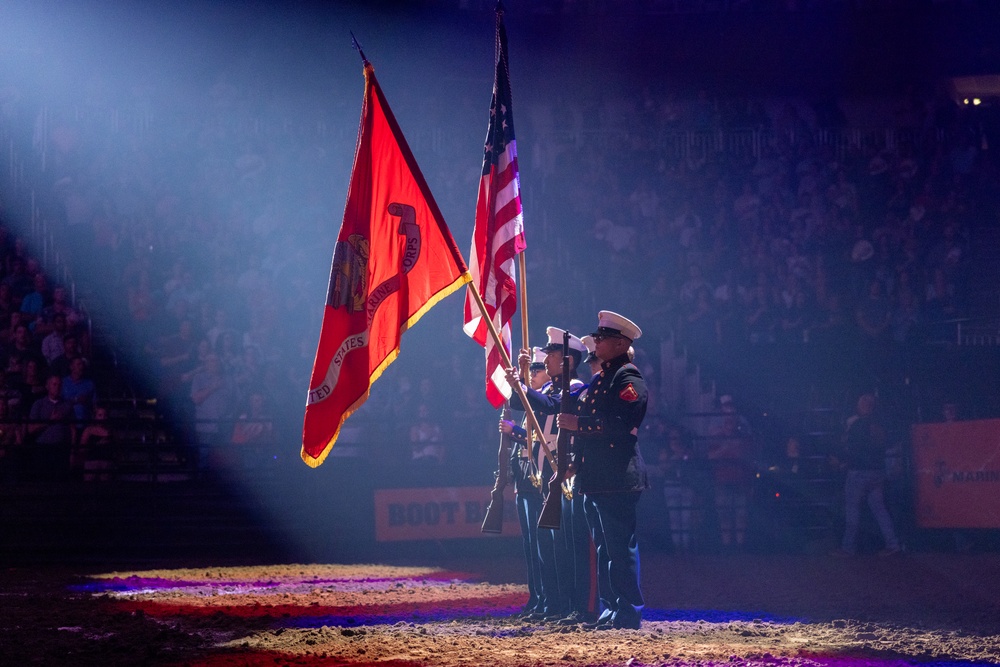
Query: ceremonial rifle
x=493, y=521
x=551, y=514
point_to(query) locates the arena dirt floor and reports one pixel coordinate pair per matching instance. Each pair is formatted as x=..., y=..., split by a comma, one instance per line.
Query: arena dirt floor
x=701, y=610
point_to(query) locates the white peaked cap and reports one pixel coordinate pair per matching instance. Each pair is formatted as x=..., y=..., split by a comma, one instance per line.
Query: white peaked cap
x=589, y=341
x=613, y=323
x=537, y=355
x=555, y=335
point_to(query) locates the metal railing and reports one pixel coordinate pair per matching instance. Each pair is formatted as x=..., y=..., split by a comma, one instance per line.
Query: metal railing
x=966, y=331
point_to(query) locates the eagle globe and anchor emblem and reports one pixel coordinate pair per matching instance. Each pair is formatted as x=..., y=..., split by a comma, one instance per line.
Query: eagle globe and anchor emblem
x=349, y=289
x=349, y=275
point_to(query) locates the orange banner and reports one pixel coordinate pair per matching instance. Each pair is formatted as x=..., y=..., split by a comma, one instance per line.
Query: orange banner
x=395, y=258
x=957, y=469
x=443, y=513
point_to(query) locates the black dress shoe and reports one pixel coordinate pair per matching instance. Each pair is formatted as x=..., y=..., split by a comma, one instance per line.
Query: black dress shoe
x=577, y=618
x=622, y=621
x=554, y=617
x=603, y=622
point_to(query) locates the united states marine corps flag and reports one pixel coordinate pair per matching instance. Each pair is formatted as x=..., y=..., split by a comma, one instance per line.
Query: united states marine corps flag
x=395, y=258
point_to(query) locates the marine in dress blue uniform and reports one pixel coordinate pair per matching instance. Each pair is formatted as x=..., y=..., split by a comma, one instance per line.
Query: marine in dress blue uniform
x=527, y=494
x=556, y=547
x=576, y=556
x=611, y=472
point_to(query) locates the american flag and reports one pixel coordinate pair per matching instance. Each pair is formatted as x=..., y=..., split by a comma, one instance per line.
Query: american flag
x=499, y=233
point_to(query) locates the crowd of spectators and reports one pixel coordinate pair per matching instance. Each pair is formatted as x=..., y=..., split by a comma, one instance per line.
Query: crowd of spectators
x=804, y=242
x=46, y=393
x=203, y=244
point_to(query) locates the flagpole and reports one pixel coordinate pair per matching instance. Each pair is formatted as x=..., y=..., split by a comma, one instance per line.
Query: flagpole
x=523, y=270
x=532, y=419
x=524, y=299
x=357, y=47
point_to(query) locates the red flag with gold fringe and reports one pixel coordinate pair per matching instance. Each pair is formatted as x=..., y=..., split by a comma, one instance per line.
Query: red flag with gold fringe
x=395, y=258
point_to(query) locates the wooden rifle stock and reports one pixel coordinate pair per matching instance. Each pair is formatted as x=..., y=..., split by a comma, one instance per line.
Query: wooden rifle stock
x=493, y=521
x=551, y=514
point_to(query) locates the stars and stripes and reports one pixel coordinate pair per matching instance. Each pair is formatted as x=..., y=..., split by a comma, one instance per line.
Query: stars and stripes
x=499, y=232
